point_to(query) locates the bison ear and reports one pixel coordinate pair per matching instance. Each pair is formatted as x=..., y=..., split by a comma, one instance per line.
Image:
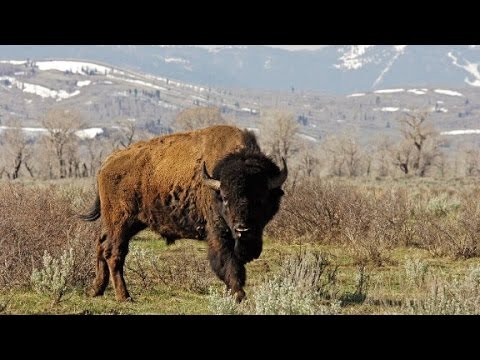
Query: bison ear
x=208, y=180
x=278, y=181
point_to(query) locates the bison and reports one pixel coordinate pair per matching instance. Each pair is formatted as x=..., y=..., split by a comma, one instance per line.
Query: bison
x=212, y=184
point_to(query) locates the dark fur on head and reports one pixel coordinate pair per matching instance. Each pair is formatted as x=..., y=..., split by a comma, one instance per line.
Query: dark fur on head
x=245, y=200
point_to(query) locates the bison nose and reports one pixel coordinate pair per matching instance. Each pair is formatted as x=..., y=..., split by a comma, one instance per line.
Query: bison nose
x=240, y=229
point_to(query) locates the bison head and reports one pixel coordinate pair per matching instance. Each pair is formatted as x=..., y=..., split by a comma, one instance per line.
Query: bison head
x=246, y=192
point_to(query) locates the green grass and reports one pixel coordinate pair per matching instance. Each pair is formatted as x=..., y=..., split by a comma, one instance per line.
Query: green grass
x=386, y=292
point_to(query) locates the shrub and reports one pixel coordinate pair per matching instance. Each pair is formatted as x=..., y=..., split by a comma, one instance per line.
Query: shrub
x=55, y=278
x=305, y=285
x=222, y=303
x=182, y=269
x=415, y=271
x=441, y=205
x=38, y=218
x=449, y=297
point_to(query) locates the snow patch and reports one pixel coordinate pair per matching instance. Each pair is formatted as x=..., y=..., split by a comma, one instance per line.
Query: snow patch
x=387, y=109
x=399, y=49
x=83, y=83
x=46, y=92
x=176, y=60
x=351, y=59
x=138, y=82
x=417, y=91
x=461, y=132
x=75, y=67
x=307, y=137
x=13, y=62
x=29, y=129
x=39, y=90
x=356, y=95
x=473, y=83
x=388, y=91
x=471, y=68
x=245, y=109
x=88, y=133
x=447, y=92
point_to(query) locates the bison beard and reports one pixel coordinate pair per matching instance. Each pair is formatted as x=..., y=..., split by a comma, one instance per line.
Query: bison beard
x=164, y=184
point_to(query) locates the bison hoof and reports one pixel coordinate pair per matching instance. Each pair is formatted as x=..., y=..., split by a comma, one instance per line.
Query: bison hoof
x=95, y=293
x=239, y=296
x=125, y=299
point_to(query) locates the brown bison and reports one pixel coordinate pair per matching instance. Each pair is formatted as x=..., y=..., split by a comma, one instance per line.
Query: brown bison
x=164, y=184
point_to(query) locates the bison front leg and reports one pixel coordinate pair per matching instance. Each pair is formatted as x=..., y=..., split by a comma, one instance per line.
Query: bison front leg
x=230, y=270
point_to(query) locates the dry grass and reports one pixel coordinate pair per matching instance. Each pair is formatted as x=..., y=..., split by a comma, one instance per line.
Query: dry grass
x=181, y=268
x=39, y=218
x=372, y=219
x=367, y=228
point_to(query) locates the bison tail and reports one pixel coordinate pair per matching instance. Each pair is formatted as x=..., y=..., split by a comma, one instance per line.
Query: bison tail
x=94, y=212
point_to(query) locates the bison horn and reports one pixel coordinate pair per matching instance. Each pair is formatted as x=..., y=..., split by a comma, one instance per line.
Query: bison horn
x=276, y=182
x=208, y=180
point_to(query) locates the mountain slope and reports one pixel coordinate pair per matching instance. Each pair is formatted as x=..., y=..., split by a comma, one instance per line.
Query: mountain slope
x=334, y=69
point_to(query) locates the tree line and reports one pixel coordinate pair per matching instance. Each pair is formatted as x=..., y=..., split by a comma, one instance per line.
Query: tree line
x=59, y=152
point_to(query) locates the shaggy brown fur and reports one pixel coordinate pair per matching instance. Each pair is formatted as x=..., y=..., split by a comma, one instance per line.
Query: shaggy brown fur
x=159, y=184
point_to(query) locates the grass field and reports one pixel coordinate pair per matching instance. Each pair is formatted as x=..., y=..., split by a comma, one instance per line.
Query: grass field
x=301, y=272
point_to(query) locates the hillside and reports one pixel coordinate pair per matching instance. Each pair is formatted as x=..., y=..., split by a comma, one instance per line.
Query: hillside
x=339, y=69
x=104, y=94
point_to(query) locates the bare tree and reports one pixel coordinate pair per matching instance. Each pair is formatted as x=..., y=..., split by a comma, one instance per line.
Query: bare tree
x=96, y=151
x=345, y=155
x=368, y=157
x=352, y=154
x=127, y=130
x=441, y=165
x=335, y=160
x=61, y=125
x=308, y=159
x=401, y=156
x=382, y=155
x=420, y=146
x=198, y=117
x=277, y=132
x=17, y=149
x=471, y=160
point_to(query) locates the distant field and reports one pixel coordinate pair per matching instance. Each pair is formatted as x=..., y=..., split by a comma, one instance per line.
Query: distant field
x=406, y=246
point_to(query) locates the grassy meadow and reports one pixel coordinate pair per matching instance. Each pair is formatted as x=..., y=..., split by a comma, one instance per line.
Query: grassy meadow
x=338, y=246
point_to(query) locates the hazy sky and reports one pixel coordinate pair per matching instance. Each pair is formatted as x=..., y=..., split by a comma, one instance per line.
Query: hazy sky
x=286, y=47
x=299, y=47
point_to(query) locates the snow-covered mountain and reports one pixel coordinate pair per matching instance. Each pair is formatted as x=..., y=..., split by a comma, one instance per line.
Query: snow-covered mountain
x=333, y=69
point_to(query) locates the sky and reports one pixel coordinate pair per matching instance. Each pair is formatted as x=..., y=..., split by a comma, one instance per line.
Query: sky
x=286, y=47
x=298, y=47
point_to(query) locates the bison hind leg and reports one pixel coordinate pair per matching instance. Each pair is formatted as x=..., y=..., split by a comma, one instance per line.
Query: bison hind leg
x=102, y=273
